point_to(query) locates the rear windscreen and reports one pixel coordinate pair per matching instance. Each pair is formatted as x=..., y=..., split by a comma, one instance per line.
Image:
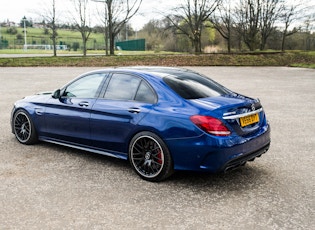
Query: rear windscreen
x=194, y=86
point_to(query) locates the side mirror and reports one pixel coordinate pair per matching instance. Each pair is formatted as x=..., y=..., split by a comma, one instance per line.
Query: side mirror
x=56, y=94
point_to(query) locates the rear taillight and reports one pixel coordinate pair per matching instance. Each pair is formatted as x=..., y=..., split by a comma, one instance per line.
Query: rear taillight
x=210, y=125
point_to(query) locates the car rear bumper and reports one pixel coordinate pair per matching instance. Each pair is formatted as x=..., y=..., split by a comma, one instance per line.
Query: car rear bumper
x=241, y=160
x=220, y=155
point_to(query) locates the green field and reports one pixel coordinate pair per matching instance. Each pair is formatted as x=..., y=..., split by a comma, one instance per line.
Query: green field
x=37, y=36
x=96, y=54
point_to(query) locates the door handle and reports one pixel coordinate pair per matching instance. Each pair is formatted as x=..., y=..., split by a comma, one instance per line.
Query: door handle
x=134, y=110
x=39, y=111
x=84, y=104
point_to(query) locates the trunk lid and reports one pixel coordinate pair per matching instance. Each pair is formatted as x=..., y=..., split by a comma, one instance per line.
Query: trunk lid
x=243, y=115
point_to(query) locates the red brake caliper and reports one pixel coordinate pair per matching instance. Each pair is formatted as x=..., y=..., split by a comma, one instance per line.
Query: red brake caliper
x=159, y=156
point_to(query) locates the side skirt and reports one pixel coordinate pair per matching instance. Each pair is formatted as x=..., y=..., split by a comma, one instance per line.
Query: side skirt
x=88, y=149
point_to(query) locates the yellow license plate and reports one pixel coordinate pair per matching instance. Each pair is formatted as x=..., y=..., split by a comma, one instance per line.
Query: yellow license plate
x=248, y=120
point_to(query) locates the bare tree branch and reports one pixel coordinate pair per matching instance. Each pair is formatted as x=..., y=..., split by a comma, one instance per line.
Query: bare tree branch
x=190, y=19
x=82, y=21
x=48, y=14
x=118, y=13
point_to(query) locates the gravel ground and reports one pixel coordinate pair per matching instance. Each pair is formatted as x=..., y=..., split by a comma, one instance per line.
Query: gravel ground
x=52, y=187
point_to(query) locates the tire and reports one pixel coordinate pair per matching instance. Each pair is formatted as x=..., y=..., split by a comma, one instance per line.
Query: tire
x=150, y=157
x=23, y=128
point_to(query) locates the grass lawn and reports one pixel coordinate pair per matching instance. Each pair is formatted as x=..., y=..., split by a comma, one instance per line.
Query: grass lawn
x=37, y=36
x=122, y=58
x=79, y=52
x=96, y=54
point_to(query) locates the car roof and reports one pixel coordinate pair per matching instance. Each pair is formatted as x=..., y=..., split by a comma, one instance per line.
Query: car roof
x=157, y=69
x=154, y=71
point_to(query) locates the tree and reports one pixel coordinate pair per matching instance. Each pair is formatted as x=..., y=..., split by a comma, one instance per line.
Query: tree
x=256, y=20
x=294, y=14
x=117, y=14
x=270, y=13
x=82, y=21
x=104, y=19
x=308, y=27
x=152, y=32
x=191, y=17
x=161, y=35
x=28, y=22
x=247, y=19
x=288, y=17
x=50, y=19
x=223, y=22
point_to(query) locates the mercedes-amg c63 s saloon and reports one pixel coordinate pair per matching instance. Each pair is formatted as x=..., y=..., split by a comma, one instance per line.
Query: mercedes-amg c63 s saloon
x=160, y=119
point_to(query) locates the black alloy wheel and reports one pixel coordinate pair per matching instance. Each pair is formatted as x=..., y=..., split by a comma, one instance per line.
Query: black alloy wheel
x=150, y=157
x=23, y=128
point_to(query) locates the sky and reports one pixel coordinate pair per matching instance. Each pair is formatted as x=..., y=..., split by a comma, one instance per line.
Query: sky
x=15, y=10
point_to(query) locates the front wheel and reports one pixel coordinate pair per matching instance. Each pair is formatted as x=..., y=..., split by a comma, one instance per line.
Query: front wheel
x=23, y=127
x=150, y=157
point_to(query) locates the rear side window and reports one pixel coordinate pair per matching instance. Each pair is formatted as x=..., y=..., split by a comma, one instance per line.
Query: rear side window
x=145, y=94
x=193, y=86
x=122, y=87
x=128, y=87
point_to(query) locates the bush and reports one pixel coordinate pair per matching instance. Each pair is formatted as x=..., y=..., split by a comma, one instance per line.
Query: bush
x=4, y=44
x=46, y=31
x=19, y=36
x=11, y=30
x=75, y=46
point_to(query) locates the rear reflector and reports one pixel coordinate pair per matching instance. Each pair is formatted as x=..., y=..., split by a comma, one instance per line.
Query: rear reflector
x=210, y=125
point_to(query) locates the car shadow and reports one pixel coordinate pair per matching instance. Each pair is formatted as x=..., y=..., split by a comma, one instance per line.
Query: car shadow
x=242, y=178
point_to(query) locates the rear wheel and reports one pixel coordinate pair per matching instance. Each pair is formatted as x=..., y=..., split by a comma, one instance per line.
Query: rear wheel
x=23, y=128
x=150, y=157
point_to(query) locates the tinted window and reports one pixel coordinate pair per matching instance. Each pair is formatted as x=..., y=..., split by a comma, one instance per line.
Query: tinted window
x=193, y=86
x=122, y=87
x=145, y=94
x=85, y=87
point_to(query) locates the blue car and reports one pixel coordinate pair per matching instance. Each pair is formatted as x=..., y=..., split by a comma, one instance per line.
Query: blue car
x=160, y=119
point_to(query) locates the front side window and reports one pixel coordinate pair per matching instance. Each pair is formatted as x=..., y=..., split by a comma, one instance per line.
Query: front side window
x=85, y=87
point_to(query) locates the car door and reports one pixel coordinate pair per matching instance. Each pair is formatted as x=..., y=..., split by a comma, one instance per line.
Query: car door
x=127, y=100
x=67, y=118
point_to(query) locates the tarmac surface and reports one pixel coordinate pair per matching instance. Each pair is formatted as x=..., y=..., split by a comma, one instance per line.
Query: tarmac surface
x=45, y=186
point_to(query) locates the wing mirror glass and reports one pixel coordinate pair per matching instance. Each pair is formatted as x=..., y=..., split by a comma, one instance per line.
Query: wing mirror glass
x=56, y=94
